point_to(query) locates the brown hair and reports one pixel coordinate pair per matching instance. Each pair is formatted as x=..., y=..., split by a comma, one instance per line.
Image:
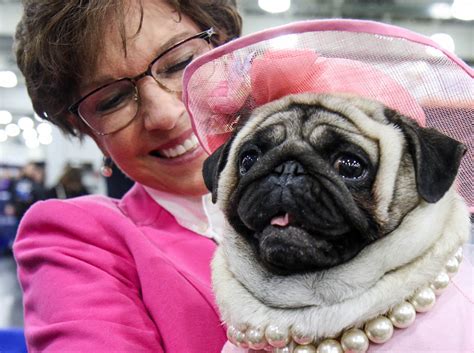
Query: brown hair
x=56, y=43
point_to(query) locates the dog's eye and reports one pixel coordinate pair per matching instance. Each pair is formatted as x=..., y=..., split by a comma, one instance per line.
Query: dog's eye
x=350, y=167
x=247, y=160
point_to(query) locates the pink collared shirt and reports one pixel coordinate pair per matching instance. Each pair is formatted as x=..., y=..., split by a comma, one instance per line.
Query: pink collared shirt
x=102, y=275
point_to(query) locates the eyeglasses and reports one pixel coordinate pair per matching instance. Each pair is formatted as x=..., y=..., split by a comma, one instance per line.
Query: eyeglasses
x=113, y=106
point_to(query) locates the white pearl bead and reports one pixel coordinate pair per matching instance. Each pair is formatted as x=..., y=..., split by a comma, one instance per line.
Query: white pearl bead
x=240, y=340
x=329, y=346
x=298, y=336
x=255, y=338
x=355, y=341
x=402, y=315
x=440, y=283
x=458, y=254
x=379, y=330
x=277, y=336
x=423, y=299
x=452, y=266
x=231, y=334
x=307, y=348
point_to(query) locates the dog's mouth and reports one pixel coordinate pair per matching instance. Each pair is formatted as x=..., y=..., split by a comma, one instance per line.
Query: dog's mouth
x=292, y=249
x=281, y=221
x=287, y=245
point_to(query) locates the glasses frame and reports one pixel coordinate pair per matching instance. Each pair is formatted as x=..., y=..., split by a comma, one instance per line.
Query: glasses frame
x=74, y=108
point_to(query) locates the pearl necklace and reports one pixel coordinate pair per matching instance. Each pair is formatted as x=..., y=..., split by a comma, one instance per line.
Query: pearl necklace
x=276, y=339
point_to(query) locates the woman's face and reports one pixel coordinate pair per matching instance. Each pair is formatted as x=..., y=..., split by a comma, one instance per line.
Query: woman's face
x=161, y=127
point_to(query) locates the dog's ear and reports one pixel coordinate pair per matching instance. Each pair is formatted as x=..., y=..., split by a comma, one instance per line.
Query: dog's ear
x=213, y=166
x=436, y=156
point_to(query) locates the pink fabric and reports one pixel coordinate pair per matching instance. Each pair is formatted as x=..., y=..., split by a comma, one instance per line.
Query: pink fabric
x=102, y=275
x=447, y=328
x=279, y=73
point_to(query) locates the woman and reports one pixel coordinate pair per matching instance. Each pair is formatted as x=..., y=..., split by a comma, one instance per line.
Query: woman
x=129, y=275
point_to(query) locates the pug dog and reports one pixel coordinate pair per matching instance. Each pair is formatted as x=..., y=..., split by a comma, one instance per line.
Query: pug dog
x=337, y=209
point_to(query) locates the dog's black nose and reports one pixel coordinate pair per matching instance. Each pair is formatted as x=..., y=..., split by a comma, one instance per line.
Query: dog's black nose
x=290, y=168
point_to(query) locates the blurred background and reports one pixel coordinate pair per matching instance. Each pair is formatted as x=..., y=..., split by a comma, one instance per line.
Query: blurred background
x=37, y=162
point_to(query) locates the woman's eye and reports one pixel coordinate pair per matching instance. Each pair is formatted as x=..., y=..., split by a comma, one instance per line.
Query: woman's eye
x=113, y=103
x=350, y=167
x=178, y=67
x=247, y=160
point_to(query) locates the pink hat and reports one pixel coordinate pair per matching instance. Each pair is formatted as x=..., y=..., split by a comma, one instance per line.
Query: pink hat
x=401, y=69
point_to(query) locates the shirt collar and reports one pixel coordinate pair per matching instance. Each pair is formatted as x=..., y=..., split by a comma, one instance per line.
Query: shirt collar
x=196, y=213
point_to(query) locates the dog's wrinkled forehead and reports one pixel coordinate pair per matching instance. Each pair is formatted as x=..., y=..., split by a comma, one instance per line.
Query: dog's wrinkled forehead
x=309, y=117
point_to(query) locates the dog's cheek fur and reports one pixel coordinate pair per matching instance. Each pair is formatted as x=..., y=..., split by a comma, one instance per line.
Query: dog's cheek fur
x=405, y=195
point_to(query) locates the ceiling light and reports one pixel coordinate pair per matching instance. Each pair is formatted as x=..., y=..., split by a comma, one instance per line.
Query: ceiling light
x=44, y=129
x=8, y=79
x=440, y=10
x=12, y=130
x=5, y=117
x=274, y=6
x=463, y=10
x=444, y=40
x=26, y=123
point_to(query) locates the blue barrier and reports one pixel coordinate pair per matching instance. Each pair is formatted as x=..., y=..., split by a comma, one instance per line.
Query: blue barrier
x=12, y=341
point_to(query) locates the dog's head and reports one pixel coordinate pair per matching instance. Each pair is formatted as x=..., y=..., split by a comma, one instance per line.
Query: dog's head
x=310, y=180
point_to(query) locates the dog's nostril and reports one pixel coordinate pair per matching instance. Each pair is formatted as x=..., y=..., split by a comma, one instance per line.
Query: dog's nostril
x=290, y=167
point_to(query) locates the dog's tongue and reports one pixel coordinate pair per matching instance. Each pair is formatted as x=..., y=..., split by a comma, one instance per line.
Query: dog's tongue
x=281, y=221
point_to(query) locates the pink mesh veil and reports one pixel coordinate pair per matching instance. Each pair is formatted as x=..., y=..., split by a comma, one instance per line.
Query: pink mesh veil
x=405, y=71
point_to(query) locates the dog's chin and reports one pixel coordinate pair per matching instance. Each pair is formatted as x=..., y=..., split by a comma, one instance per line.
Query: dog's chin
x=292, y=249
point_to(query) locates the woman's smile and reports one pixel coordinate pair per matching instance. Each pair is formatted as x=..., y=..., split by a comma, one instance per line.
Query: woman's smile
x=176, y=148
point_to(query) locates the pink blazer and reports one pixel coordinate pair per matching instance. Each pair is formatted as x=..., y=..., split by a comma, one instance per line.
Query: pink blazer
x=103, y=275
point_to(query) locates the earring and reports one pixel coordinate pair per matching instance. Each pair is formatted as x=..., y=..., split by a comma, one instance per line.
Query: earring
x=106, y=168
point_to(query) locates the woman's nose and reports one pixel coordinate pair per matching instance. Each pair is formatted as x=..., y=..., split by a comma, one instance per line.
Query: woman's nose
x=160, y=108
